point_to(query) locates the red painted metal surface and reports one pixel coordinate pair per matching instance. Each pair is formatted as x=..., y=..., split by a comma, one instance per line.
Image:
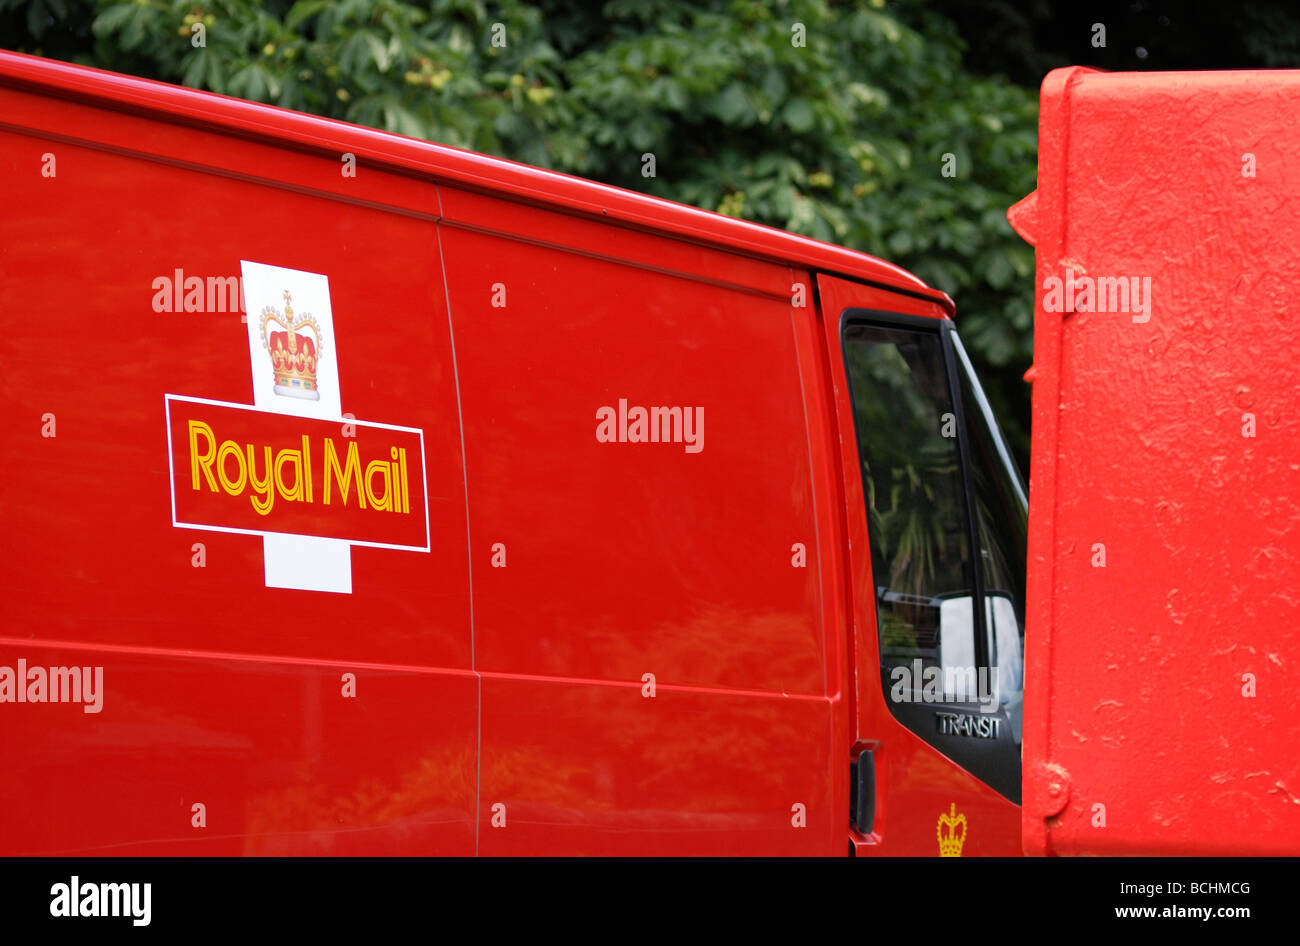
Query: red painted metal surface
x=186, y=108
x=628, y=559
x=1160, y=706
x=217, y=690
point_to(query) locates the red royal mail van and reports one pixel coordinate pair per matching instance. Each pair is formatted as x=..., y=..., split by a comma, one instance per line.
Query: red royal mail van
x=364, y=495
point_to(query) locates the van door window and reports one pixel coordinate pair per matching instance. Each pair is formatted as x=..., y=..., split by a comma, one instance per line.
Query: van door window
x=939, y=649
x=916, y=514
x=1002, y=524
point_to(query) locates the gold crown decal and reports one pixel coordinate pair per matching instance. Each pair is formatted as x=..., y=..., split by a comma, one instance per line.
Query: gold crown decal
x=293, y=356
x=950, y=844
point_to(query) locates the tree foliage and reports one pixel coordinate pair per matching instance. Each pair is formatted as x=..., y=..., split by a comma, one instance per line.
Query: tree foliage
x=833, y=120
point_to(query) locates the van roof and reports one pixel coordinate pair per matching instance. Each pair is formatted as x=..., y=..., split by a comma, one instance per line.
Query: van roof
x=411, y=156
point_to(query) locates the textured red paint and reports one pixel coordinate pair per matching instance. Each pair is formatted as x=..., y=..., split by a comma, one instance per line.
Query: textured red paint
x=1134, y=696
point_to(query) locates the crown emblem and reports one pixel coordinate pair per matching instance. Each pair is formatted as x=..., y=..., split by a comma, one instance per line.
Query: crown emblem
x=951, y=842
x=293, y=356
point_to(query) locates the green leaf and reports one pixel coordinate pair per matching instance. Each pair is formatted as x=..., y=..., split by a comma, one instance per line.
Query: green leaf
x=112, y=19
x=798, y=116
x=378, y=52
x=733, y=105
x=999, y=271
x=302, y=11
x=196, y=69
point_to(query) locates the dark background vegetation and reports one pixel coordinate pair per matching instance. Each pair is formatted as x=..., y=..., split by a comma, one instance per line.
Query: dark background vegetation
x=842, y=139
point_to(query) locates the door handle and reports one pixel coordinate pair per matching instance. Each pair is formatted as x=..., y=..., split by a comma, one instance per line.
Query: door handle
x=862, y=792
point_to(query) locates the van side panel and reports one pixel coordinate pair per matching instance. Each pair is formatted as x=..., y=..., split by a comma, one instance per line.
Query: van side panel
x=239, y=718
x=301, y=721
x=602, y=562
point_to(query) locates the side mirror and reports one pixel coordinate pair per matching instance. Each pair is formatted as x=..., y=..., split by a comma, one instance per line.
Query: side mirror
x=1003, y=681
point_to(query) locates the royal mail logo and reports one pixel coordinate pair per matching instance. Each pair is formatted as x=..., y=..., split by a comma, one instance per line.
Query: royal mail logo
x=238, y=469
x=951, y=841
x=293, y=355
x=289, y=467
